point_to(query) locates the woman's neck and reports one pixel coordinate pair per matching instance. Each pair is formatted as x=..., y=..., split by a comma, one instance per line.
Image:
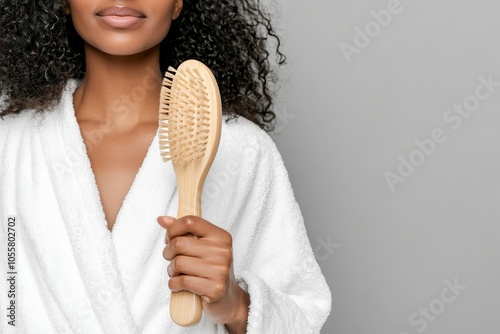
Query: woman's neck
x=122, y=90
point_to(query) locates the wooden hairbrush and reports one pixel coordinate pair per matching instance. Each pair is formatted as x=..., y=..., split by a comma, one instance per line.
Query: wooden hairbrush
x=190, y=120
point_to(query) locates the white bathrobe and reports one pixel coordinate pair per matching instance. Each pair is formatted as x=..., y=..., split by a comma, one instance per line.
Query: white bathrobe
x=72, y=275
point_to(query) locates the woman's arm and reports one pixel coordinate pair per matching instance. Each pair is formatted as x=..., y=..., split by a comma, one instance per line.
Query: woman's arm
x=261, y=235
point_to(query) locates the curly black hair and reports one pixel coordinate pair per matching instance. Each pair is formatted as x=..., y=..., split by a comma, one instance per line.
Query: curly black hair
x=40, y=51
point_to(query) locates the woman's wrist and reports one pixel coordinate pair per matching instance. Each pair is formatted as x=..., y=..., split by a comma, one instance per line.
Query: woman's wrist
x=239, y=323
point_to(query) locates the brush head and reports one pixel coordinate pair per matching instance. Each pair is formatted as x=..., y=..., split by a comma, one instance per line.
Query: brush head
x=189, y=106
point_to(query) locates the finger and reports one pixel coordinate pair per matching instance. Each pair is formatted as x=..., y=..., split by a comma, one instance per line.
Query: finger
x=208, y=290
x=164, y=222
x=185, y=245
x=200, y=248
x=197, y=226
x=191, y=266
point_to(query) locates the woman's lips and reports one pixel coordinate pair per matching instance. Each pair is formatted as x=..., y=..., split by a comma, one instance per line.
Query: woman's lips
x=120, y=17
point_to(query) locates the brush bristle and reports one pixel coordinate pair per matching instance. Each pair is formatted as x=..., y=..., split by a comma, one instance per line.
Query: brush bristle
x=184, y=116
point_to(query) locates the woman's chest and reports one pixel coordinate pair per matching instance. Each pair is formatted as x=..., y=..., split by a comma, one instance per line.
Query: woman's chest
x=115, y=160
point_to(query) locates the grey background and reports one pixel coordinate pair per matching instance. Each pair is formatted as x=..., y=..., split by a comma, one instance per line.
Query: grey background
x=342, y=125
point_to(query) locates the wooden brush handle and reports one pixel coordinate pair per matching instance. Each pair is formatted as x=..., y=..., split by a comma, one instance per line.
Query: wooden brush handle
x=186, y=307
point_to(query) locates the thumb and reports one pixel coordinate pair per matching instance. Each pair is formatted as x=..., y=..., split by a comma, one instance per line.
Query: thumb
x=165, y=221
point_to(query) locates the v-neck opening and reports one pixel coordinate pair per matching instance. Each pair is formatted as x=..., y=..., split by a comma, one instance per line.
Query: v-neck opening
x=130, y=191
x=90, y=172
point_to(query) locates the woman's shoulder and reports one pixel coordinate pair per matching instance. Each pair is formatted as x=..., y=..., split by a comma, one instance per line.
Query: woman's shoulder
x=14, y=127
x=31, y=119
x=19, y=119
x=245, y=143
x=244, y=134
x=15, y=122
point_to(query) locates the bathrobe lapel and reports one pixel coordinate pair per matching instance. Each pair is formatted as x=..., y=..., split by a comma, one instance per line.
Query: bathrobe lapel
x=110, y=263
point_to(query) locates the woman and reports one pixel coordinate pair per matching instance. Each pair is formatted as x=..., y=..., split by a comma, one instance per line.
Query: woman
x=82, y=178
